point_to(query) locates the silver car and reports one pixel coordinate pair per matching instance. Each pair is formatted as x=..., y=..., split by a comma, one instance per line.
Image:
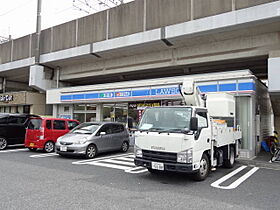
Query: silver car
x=88, y=139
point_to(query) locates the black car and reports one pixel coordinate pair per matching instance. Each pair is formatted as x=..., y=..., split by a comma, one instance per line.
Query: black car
x=12, y=128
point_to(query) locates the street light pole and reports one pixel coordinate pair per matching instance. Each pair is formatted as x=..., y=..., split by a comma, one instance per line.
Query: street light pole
x=38, y=32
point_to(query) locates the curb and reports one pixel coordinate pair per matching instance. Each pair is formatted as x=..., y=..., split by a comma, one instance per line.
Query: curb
x=260, y=164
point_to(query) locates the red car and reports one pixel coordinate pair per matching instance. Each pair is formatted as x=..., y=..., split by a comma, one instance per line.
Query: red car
x=42, y=133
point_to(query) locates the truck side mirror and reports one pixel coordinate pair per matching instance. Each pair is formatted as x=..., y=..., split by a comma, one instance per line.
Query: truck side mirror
x=194, y=124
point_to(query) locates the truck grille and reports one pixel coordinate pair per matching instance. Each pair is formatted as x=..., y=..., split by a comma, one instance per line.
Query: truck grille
x=160, y=156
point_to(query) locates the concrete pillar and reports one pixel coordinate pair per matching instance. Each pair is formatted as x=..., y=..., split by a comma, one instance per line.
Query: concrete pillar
x=274, y=72
x=99, y=112
x=55, y=110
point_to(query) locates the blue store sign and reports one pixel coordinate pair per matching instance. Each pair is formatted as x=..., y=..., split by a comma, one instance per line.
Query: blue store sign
x=155, y=92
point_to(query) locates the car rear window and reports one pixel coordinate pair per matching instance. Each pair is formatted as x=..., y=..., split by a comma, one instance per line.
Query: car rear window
x=35, y=124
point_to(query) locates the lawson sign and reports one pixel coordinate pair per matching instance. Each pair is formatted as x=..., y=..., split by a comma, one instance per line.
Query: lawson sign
x=153, y=92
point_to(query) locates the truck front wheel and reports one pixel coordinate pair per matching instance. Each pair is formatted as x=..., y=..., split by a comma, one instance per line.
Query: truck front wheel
x=204, y=169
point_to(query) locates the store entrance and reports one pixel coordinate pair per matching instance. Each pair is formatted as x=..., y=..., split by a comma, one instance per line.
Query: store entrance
x=131, y=113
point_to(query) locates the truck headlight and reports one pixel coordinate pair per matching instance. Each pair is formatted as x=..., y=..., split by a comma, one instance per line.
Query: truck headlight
x=185, y=156
x=138, y=152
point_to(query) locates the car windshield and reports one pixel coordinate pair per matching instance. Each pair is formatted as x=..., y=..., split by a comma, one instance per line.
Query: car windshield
x=85, y=128
x=166, y=119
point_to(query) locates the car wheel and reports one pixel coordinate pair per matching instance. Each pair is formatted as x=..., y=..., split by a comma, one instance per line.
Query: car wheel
x=3, y=143
x=204, y=169
x=125, y=146
x=49, y=147
x=229, y=163
x=91, y=151
x=32, y=149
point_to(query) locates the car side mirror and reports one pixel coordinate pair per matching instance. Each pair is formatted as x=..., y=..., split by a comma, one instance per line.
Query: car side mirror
x=102, y=133
x=194, y=124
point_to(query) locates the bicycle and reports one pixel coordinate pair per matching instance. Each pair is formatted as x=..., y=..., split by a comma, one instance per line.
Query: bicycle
x=276, y=155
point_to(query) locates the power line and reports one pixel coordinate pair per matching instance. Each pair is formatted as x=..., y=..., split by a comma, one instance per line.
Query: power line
x=15, y=8
x=90, y=6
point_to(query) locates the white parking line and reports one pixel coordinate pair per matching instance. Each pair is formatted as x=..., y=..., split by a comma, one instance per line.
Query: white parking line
x=121, y=162
x=43, y=155
x=13, y=150
x=236, y=183
x=102, y=158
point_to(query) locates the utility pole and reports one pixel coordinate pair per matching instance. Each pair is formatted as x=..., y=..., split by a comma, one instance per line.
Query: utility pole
x=38, y=32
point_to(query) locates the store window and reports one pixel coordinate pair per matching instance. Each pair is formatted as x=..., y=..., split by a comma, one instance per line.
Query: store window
x=26, y=109
x=79, y=107
x=66, y=108
x=108, y=113
x=85, y=112
x=79, y=116
x=115, y=112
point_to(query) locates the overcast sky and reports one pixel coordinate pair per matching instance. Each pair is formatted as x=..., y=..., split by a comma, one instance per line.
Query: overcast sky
x=18, y=17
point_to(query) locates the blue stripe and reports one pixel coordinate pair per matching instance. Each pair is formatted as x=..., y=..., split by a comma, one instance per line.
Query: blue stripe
x=66, y=97
x=79, y=97
x=145, y=92
x=208, y=88
x=227, y=87
x=247, y=86
x=91, y=96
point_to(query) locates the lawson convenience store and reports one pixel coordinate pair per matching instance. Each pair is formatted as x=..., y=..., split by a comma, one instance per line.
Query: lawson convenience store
x=125, y=101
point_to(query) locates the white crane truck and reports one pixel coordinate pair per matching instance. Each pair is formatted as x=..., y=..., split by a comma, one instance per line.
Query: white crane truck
x=194, y=138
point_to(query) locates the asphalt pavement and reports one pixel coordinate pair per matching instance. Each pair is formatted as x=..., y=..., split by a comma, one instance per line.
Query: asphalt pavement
x=36, y=180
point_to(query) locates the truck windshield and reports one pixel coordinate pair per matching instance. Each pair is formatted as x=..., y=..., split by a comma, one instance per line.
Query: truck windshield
x=166, y=119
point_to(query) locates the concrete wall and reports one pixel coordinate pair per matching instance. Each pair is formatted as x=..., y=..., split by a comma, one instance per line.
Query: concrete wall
x=92, y=28
x=167, y=12
x=46, y=41
x=204, y=8
x=21, y=48
x=277, y=123
x=5, y=52
x=133, y=17
x=64, y=36
x=37, y=101
x=126, y=19
x=240, y=4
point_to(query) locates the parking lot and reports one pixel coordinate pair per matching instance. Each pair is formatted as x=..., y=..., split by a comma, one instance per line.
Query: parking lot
x=36, y=180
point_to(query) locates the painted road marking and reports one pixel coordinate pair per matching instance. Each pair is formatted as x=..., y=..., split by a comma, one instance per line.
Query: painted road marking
x=43, y=155
x=236, y=183
x=121, y=162
x=13, y=150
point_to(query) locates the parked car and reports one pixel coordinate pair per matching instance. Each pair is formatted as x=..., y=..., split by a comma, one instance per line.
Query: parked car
x=12, y=128
x=42, y=133
x=88, y=139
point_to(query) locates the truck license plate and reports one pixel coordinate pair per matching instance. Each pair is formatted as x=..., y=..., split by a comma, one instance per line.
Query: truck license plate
x=158, y=166
x=63, y=148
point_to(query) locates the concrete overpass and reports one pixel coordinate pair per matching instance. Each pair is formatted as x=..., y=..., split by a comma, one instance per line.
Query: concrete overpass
x=151, y=39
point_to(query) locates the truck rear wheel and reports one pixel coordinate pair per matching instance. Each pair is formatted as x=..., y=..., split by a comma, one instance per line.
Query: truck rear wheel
x=204, y=169
x=229, y=163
